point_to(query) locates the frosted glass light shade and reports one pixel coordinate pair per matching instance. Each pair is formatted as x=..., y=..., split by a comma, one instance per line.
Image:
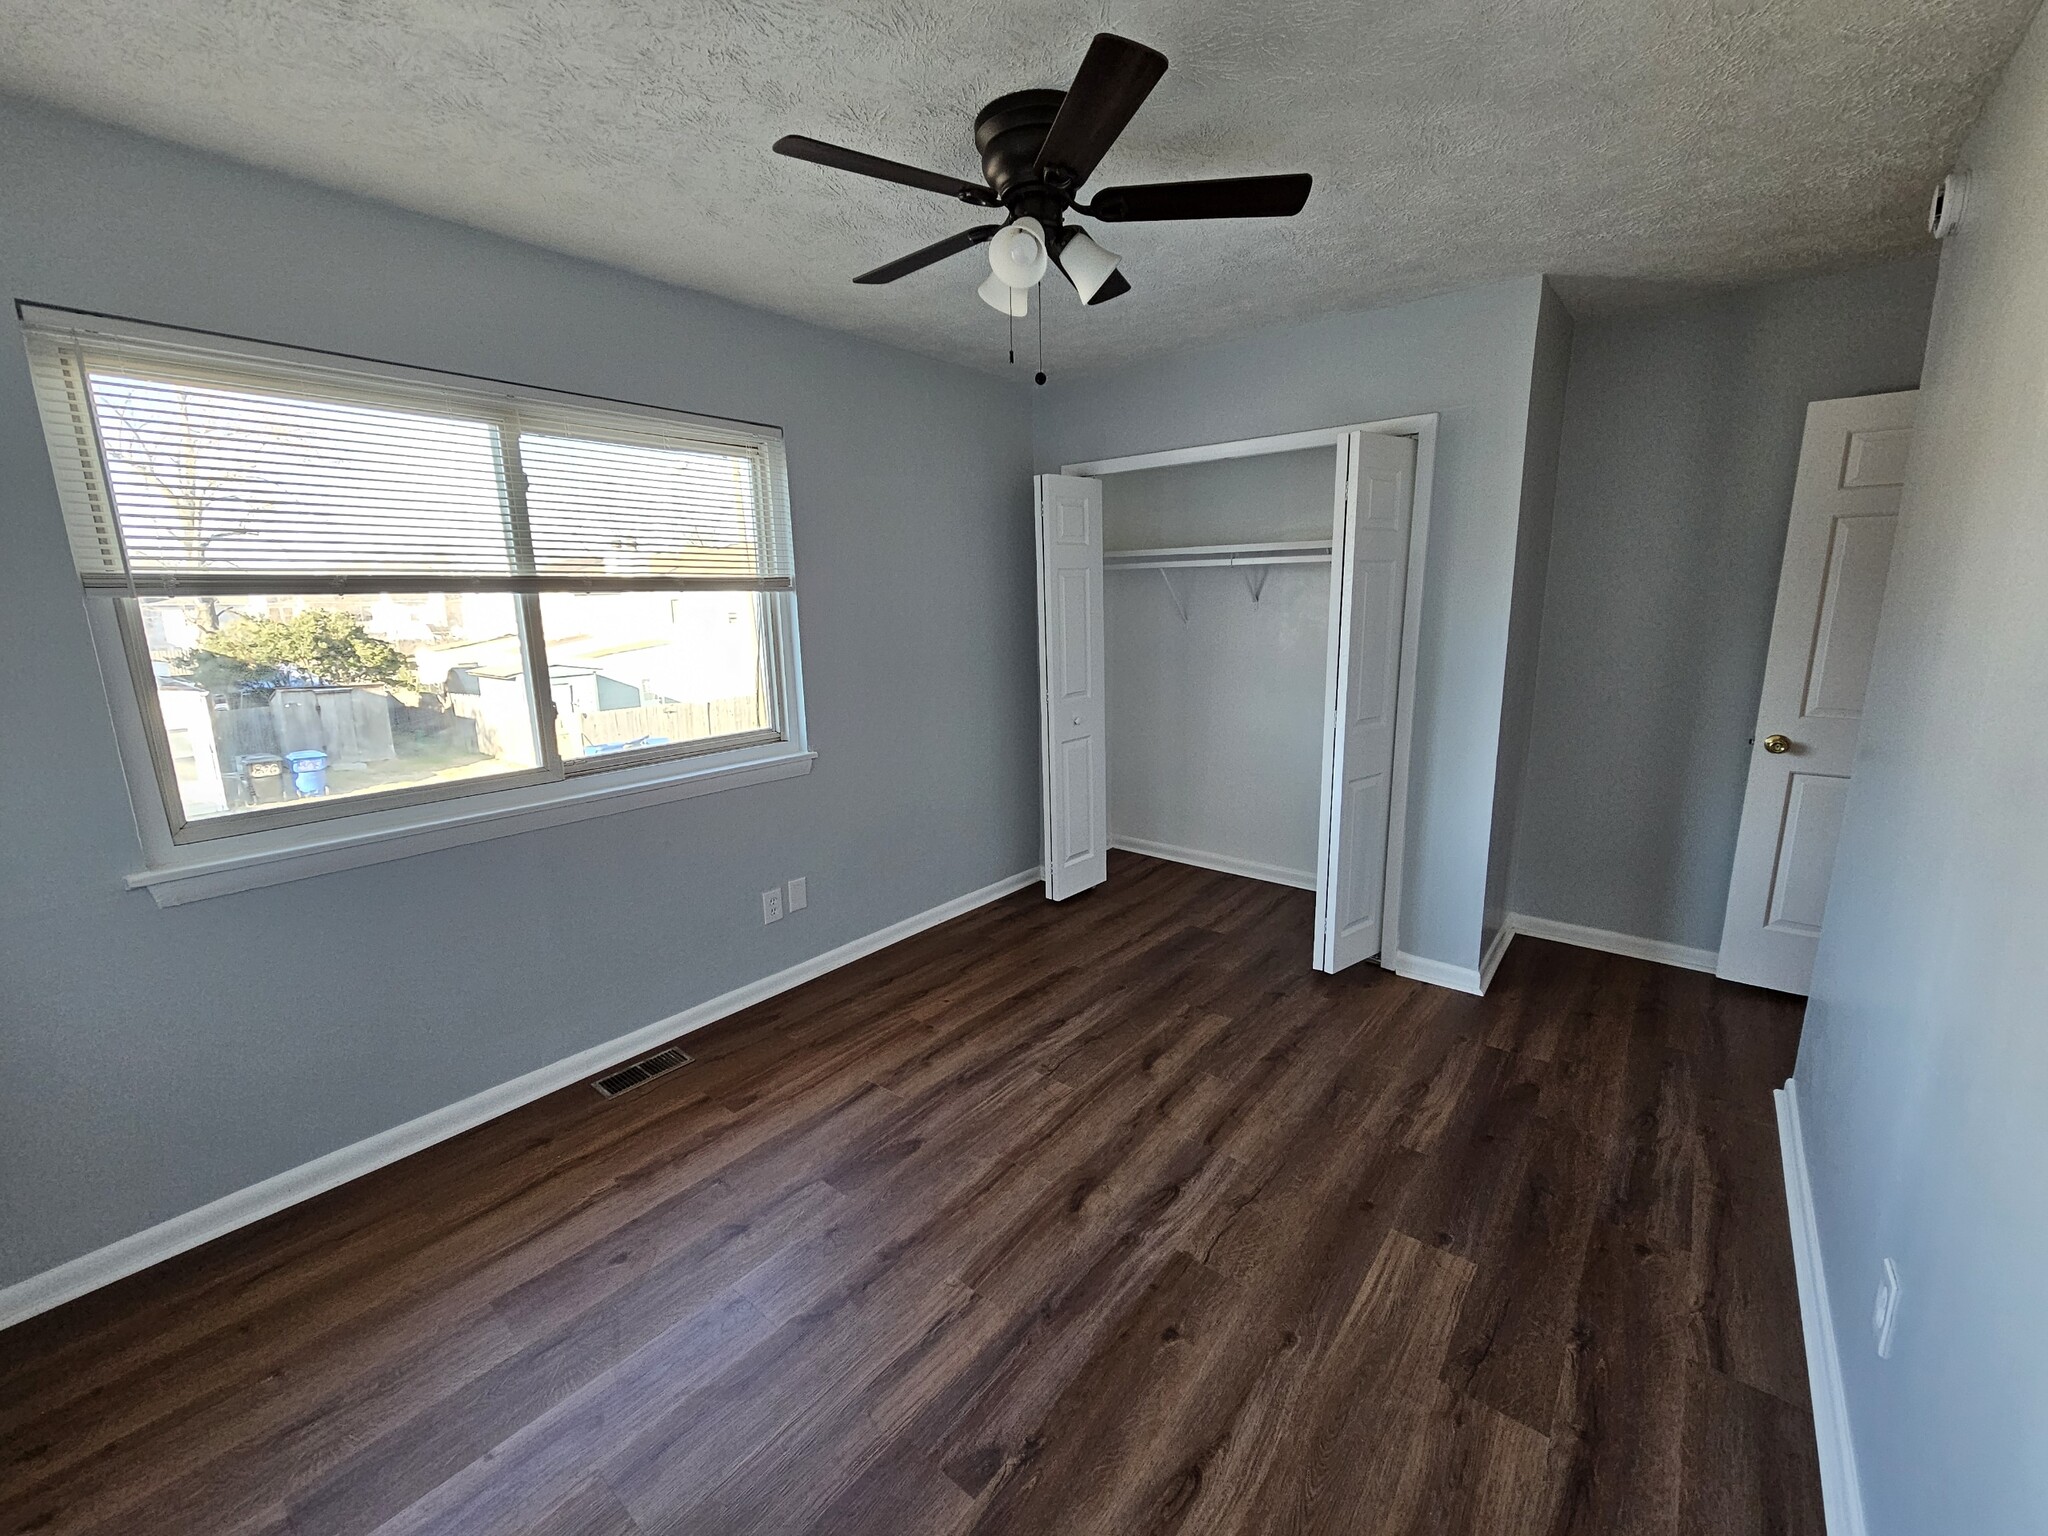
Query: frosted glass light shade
x=1003, y=299
x=1087, y=263
x=1017, y=254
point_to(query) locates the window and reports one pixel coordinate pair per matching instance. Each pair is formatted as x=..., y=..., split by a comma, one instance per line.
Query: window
x=343, y=588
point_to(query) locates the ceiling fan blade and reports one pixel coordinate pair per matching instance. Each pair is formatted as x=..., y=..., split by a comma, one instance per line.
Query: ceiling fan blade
x=952, y=245
x=1112, y=83
x=1230, y=197
x=797, y=147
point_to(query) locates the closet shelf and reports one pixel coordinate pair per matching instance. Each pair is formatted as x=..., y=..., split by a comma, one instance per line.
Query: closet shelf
x=1294, y=552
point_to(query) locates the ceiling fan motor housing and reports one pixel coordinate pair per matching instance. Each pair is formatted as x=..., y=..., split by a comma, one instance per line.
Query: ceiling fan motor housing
x=1009, y=133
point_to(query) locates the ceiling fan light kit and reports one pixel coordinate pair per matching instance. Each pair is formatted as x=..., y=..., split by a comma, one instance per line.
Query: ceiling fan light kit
x=1088, y=266
x=1038, y=148
x=1017, y=254
x=1003, y=299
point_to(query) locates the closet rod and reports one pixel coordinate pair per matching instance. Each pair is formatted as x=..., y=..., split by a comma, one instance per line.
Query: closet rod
x=1248, y=550
x=1219, y=562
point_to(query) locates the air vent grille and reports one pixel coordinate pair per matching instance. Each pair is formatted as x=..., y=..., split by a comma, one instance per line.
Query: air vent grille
x=643, y=1071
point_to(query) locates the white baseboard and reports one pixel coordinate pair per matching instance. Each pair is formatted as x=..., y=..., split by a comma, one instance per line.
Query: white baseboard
x=1490, y=961
x=1476, y=980
x=117, y=1260
x=1459, y=978
x=1613, y=943
x=1841, y=1492
x=1222, y=863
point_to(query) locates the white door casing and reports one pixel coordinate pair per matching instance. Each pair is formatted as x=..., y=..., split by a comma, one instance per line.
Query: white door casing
x=1845, y=504
x=1368, y=588
x=1073, y=764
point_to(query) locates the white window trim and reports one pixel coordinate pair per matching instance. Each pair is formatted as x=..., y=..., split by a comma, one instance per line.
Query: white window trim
x=194, y=863
x=177, y=873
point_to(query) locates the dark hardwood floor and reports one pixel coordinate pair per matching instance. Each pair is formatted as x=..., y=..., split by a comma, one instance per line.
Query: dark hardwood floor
x=1103, y=1217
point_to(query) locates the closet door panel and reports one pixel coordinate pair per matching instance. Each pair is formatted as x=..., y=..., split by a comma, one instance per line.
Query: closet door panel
x=1358, y=892
x=1375, y=492
x=1073, y=761
x=1378, y=645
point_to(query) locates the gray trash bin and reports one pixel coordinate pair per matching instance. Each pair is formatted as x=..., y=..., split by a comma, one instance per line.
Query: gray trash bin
x=263, y=777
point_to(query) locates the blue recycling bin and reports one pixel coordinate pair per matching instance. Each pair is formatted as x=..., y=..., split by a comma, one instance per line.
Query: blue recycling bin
x=309, y=772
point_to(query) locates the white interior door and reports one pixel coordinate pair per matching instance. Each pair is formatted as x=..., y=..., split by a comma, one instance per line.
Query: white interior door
x=1073, y=765
x=1838, y=551
x=1368, y=585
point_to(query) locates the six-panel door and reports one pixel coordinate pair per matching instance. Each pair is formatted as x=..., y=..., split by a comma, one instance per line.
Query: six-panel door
x=1838, y=549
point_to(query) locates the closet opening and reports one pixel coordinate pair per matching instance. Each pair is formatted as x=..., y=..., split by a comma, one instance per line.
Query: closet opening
x=1225, y=643
x=1216, y=609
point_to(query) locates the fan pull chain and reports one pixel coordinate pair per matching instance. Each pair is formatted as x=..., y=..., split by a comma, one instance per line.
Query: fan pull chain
x=1040, y=376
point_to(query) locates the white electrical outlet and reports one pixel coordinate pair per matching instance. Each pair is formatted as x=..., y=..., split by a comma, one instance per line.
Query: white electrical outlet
x=1884, y=1313
x=799, y=894
x=771, y=905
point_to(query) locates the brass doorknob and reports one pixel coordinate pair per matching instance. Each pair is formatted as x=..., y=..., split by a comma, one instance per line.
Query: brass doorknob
x=1775, y=744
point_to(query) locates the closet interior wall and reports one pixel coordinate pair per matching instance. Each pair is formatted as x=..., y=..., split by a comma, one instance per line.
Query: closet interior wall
x=1215, y=674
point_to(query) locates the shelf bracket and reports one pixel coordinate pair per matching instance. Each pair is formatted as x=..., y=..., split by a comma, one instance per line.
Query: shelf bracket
x=1255, y=579
x=1179, y=606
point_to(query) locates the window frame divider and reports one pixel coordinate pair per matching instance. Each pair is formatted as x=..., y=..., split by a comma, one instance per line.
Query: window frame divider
x=533, y=644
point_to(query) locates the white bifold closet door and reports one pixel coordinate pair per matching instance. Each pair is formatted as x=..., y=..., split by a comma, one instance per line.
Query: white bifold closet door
x=1073, y=760
x=1368, y=586
x=1375, y=483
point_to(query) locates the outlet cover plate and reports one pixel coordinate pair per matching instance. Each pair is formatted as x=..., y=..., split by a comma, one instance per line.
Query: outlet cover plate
x=771, y=905
x=799, y=894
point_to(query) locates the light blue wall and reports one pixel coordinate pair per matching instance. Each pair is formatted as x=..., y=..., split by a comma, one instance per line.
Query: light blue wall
x=1548, y=371
x=152, y=1060
x=1923, y=1071
x=1681, y=435
x=1466, y=355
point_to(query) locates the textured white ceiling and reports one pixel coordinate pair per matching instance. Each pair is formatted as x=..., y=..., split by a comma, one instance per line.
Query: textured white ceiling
x=1624, y=145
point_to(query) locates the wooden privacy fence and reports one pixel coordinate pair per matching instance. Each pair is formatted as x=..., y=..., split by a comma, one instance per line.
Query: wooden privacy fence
x=501, y=725
x=501, y=722
x=351, y=725
x=676, y=722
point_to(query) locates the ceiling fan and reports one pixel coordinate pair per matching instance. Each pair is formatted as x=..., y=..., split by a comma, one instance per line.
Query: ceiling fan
x=1037, y=148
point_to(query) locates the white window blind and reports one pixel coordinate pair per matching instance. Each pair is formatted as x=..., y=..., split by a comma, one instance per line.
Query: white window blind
x=190, y=465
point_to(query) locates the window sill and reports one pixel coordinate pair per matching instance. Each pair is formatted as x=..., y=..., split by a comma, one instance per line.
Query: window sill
x=379, y=836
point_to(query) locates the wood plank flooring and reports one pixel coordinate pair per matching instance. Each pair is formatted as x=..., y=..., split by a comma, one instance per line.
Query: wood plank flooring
x=1103, y=1217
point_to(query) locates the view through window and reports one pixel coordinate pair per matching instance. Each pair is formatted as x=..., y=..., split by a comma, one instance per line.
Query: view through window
x=266, y=700
x=349, y=588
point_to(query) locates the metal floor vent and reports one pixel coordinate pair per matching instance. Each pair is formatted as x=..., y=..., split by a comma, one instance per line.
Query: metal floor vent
x=645, y=1070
